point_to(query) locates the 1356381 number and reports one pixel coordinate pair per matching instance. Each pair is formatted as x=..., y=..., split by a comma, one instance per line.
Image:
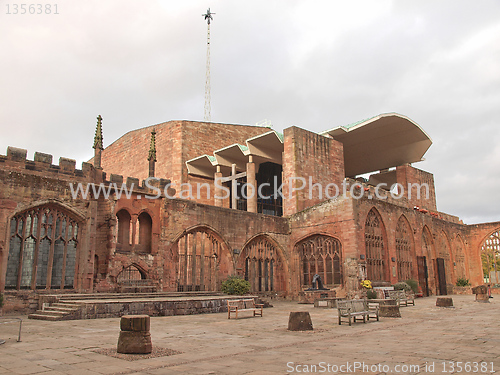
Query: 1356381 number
x=467, y=367
x=31, y=9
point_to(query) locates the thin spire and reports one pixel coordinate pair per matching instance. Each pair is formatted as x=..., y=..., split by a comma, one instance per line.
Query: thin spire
x=98, y=134
x=152, y=147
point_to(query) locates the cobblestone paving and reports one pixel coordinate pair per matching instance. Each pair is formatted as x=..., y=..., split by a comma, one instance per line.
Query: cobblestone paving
x=426, y=340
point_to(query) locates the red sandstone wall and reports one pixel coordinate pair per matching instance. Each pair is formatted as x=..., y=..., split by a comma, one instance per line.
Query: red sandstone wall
x=477, y=235
x=176, y=143
x=25, y=183
x=406, y=174
x=306, y=155
x=390, y=213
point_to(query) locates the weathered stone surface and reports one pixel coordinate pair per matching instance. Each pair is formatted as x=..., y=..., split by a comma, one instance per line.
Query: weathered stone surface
x=43, y=158
x=480, y=289
x=67, y=165
x=18, y=154
x=389, y=311
x=444, y=302
x=300, y=321
x=135, y=323
x=134, y=342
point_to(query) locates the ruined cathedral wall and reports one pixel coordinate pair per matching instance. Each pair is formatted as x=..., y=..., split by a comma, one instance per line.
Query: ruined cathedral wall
x=317, y=160
x=111, y=258
x=233, y=227
x=333, y=218
x=407, y=175
x=29, y=183
x=446, y=240
x=477, y=234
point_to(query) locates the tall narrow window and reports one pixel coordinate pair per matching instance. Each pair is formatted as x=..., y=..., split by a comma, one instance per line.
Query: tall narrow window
x=268, y=180
x=375, y=247
x=123, y=236
x=404, y=253
x=42, y=252
x=145, y=232
x=320, y=255
x=444, y=252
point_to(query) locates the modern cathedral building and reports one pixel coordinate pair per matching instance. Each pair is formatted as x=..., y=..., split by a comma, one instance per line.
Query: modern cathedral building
x=182, y=205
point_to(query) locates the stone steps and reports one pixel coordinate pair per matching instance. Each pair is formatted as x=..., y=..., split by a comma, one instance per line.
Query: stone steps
x=109, y=305
x=44, y=316
x=69, y=297
x=56, y=311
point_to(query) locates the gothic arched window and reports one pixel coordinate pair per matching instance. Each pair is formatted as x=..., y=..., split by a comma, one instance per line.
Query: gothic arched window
x=375, y=247
x=42, y=251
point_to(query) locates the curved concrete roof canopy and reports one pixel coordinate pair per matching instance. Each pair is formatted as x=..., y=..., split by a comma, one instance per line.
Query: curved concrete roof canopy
x=381, y=142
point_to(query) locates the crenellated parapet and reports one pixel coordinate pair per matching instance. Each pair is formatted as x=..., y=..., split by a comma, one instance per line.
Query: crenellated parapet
x=16, y=159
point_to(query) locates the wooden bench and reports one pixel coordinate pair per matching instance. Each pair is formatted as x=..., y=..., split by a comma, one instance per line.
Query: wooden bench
x=401, y=297
x=356, y=310
x=238, y=305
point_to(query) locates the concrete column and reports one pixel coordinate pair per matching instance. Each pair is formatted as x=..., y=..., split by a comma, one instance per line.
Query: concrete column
x=251, y=186
x=218, y=191
x=234, y=187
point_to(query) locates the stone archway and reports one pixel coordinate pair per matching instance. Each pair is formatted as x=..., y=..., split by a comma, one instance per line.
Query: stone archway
x=490, y=258
x=263, y=266
x=375, y=247
x=404, y=249
x=322, y=255
x=203, y=260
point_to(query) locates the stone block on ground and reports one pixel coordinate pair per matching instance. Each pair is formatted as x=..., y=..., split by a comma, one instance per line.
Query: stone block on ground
x=444, y=302
x=480, y=289
x=300, y=321
x=135, y=323
x=134, y=342
x=389, y=311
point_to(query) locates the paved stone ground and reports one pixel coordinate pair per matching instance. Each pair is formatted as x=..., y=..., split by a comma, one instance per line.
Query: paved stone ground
x=426, y=336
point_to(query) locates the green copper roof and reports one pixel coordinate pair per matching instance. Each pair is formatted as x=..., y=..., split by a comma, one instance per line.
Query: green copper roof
x=357, y=122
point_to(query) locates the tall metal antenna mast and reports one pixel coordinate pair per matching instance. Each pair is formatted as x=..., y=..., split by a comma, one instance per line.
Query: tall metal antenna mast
x=208, y=18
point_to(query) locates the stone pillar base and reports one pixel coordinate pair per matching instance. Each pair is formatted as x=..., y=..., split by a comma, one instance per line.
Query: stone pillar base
x=134, y=342
x=300, y=321
x=444, y=302
x=134, y=335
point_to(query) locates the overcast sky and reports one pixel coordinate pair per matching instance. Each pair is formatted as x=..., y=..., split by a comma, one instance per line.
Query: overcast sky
x=312, y=64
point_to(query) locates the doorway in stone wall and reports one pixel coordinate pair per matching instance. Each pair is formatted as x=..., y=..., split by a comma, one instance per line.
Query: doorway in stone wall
x=441, y=276
x=423, y=275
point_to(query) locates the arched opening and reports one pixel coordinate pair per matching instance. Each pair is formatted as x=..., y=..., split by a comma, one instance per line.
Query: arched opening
x=200, y=253
x=490, y=258
x=322, y=255
x=130, y=274
x=145, y=232
x=424, y=262
x=263, y=266
x=443, y=262
x=42, y=251
x=375, y=247
x=123, y=235
x=404, y=249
